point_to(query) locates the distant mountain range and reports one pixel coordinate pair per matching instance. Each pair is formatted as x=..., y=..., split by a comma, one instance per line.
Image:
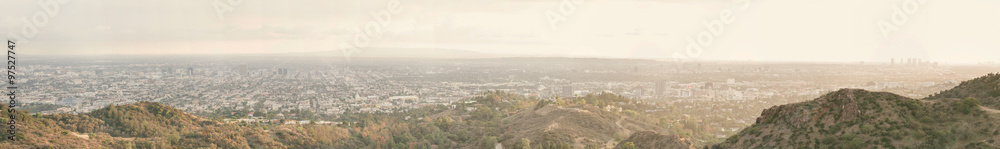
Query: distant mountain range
x=401, y=53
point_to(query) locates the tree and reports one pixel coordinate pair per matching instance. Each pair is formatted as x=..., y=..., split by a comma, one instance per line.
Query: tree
x=488, y=142
x=428, y=120
x=525, y=143
x=855, y=143
x=541, y=103
x=560, y=101
x=404, y=138
x=967, y=105
x=867, y=129
x=629, y=145
x=485, y=113
x=443, y=122
x=496, y=99
x=621, y=135
x=631, y=113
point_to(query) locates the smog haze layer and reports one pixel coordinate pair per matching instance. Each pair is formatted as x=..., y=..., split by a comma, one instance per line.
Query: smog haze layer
x=949, y=32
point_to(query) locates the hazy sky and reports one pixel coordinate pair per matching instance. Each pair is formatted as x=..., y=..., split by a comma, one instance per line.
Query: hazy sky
x=951, y=31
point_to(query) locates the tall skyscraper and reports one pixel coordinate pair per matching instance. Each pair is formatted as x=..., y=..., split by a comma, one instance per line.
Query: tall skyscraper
x=244, y=71
x=190, y=71
x=661, y=87
x=282, y=71
x=568, y=91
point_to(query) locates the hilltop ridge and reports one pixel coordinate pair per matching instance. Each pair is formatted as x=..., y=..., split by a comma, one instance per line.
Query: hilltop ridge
x=985, y=88
x=649, y=139
x=494, y=118
x=855, y=118
x=144, y=125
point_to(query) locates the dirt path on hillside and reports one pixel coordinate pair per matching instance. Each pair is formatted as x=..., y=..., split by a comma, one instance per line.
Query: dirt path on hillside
x=611, y=143
x=994, y=111
x=619, y=123
x=578, y=142
x=80, y=135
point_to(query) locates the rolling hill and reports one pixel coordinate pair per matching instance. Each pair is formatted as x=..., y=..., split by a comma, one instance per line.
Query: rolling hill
x=578, y=125
x=854, y=118
x=985, y=88
x=497, y=119
x=147, y=125
x=648, y=139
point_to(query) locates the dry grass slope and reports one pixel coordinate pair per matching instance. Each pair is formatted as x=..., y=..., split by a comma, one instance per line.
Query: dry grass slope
x=853, y=118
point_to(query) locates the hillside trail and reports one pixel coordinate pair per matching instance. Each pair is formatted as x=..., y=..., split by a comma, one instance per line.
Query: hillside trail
x=578, y=142
x=619, y=123
x=80, y=135
x=611, y=143
x=994, y=111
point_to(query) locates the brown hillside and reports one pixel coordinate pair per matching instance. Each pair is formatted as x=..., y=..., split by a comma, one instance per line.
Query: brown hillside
x=649, y=139
x=985, y=88
x=853, y=118
x=580, y=125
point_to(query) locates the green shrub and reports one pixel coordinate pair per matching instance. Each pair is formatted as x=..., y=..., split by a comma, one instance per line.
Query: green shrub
x=867, y=129
x=629, y=145
x=525, y=143
x=855, y=143
x=631, y=113
x=967, y=105
x=541, y=103
x=621, y=135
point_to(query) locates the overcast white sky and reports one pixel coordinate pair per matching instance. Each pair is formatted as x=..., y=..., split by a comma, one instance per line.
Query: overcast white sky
x=950, y=31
